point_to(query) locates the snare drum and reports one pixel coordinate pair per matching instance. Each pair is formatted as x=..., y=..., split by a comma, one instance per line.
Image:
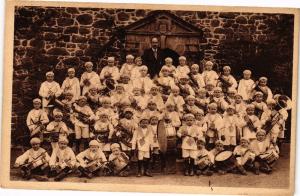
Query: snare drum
x=225, y=160
x=203, y=162
x=269, y=157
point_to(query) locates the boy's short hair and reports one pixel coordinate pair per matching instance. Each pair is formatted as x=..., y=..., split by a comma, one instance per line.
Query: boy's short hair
x=57, y=113
x=190, y=97
x=144, y=67
x=50, y=73
x=250, y=106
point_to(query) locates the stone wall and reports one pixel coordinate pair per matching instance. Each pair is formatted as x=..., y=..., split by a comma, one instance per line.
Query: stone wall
x=48, y=38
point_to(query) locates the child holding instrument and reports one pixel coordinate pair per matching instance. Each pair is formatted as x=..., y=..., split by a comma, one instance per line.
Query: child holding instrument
x=83, y=116
x=232, y=123
x=196, y=77
x=260, y=105
x=251, y=123
x=184, y=86
x=103, y=131
x=244, y=156
x=128, y=66
x=265, y=152
x=189, y=133
x=201, y=99
x=143, y=82
x=142, y=142
x=88, y=78
x=71, y=84
x=273, y=121
x=49, y=89
x=215, y=126
x=218, y=98
x=91, y=161
x=190, y=105
x=36, y=119
x=136, y=70
x=246, y=85
x=34, y=162
x=262, y=87
x=110, y=70
x=203, y=163
x=226, y=80
x=62, y=160
x=182, y=68
x=106, y=107
x=57, y=129
x=176, y=99
x=119, y=161
x=209, y=75
x=155, y=95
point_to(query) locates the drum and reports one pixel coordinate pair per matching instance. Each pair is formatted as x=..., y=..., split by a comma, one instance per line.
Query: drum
x=225, y=160
x=93, y=167
x=203, y=162
x=269, y=157
x=166, y=137
x=120, y=163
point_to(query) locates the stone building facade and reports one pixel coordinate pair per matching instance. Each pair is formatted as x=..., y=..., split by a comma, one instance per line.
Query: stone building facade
x=56, y=38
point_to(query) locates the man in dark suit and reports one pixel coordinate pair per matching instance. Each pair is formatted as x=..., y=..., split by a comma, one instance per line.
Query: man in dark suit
x=153, y=57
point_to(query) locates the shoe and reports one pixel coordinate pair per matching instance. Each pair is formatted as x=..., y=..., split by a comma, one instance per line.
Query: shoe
x=198, y=172
x=148, y=174
x=186, y=172
x=192, y=173
x=139, y=174
x=89, y=176
x=41, y=178
x=208, y=173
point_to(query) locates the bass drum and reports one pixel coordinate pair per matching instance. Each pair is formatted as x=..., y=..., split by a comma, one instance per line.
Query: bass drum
x=166, y=137
x=225, y=160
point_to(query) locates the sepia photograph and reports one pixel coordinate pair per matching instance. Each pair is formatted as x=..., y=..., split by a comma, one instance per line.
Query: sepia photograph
x=150, y=96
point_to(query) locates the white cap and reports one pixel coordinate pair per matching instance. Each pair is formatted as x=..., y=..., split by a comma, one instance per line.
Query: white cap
x=37, y=100
x=111, y=58
x=49, y=73
x=89, y=64
x=250, y=106
x=182, y=58
x=226, y=68
x=168, y=59
x=71, y=70
x=209, y=63
x=35, y=140
x=94, y=143
x=247, y=71
x=195, y=66
x=57, y=113
x=263, y=79
x=190, y=97
x=212, y=105
x=129, y=56
x=114, y=146
x=189, y=115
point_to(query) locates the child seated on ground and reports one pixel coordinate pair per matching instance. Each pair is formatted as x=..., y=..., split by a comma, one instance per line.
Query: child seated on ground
x=34, y=162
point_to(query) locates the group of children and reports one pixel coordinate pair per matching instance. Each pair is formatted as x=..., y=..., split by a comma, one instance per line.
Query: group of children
x=107, y=119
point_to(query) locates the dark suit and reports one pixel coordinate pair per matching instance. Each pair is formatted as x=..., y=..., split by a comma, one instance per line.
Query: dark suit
x=154, y=64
